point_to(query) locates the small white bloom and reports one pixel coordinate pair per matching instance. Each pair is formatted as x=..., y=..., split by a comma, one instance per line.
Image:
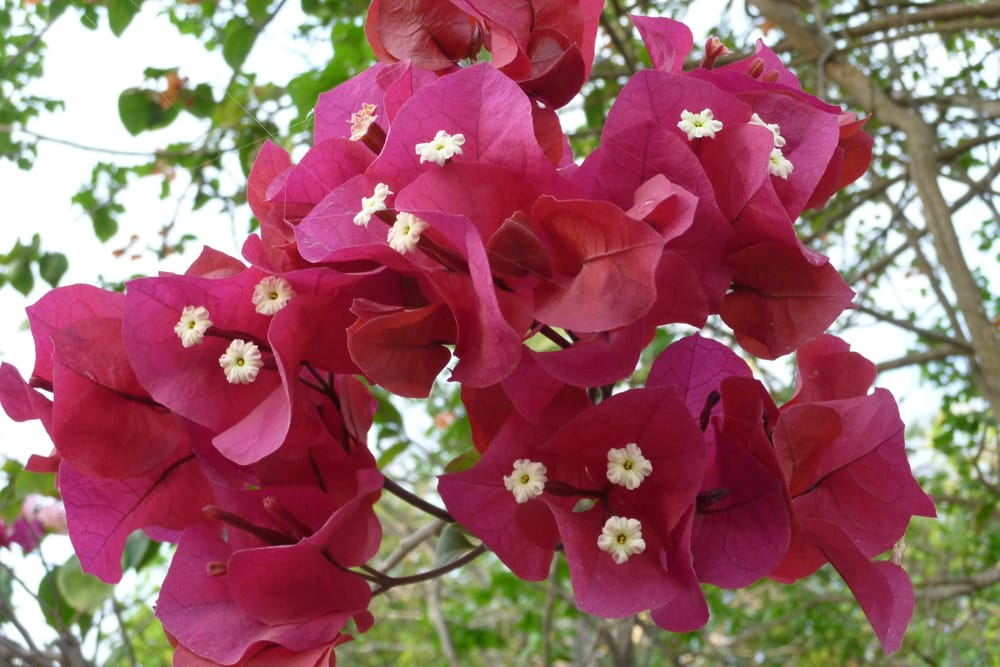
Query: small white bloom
x=527, y=481
x=272, y=294
x=779, y=141
x=698, y=125
x=627, y=466
x=779, y=165
x=361, y=120
x=372, y=205
x=192, y=326
x=405, y=233
x=241, y=362
x=441, y=148
x=622, y=538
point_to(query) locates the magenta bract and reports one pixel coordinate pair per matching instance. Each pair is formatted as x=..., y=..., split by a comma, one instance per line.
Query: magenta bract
x=441, y=229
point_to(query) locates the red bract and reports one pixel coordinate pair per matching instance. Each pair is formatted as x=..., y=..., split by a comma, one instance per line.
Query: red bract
x=546, y=46
x=440, y=213
x=435, y=35
x=595, y=250
x=741, y=525
x=225, y=599
x=102, y=513
x=847, y=473
x=575, y=464
x=781, y=298
x=102, y=419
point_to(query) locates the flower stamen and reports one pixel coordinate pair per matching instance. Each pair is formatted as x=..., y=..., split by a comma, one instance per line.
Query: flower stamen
x=441, y=148
x=628, y=467
x=527, y=480
x=192, y=326
x=241, y=361
x=405, y=233
x=622, y=538
x=372, y=205
x=699, y=125
x=272, y=294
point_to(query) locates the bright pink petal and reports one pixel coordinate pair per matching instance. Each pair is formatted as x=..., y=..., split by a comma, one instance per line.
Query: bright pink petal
x=596, y=250
x=401, y=349
x=102, y=513
x=62, y=307
x=741, y=529
x=479, y=102
x=693, y=368
x=780, y=299
x=883, y=589
x=829, y=371
x=668, y=42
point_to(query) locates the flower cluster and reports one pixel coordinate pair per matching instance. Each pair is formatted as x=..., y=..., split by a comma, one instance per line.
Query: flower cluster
x=439, y=219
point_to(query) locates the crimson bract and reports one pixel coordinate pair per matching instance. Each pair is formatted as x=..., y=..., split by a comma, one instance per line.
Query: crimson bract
x=440, y=221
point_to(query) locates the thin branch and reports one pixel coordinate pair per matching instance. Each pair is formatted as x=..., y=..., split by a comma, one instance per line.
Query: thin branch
x=550, y=603
x=395, y=489
x=440, y=625
x=947, y=589
x=920, y=331
x=411, y=542
x=123, y=629
x=388, y=582
x=948, y=12
x=5, y=129
x=921, y=358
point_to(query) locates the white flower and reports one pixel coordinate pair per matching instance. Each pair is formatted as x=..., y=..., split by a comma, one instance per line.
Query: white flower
x=622, y=538
x=272, y=294
x=527, y=481
x=779, y=165
x=698, y=125
x=779, y=141
x=441, y=148
x=192, y=326
x=241, y=362
x=361, y=120
x=627, y=466
x=372, y=205
x=405, y=233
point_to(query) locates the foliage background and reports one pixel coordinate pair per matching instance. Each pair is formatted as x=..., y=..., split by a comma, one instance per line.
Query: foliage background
x=917, y=239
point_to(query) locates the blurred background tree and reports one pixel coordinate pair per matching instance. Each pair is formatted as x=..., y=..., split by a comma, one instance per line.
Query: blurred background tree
x=917, y=238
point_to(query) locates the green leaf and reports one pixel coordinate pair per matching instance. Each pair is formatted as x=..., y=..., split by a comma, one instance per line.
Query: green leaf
x=105, y=225
x=451, y=545
x=20, y=277
x=201, y=102
x=139, y=551
x=58, y=613
x=463, y=461
x=237, y=43
x=6, y=591
x=121, y=13
x=26, y=483
x=390, y=454
x=52, y=266
x=258, y=10
x=133, y=109
x=83, y=592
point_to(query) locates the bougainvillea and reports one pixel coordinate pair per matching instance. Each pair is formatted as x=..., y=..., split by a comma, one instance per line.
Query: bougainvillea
x=440, y=221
